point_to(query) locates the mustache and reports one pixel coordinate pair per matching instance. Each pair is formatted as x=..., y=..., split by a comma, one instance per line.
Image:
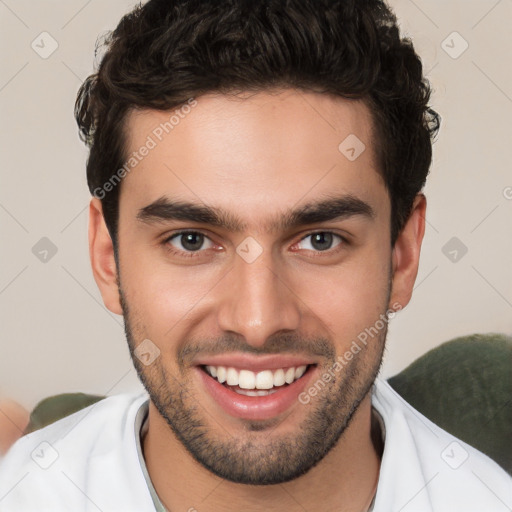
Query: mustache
x=284, y=343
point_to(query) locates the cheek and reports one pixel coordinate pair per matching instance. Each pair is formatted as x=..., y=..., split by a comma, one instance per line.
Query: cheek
x=351, y=297
x=161, y=296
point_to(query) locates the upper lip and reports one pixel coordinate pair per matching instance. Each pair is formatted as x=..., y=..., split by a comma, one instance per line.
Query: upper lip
x=254, y=363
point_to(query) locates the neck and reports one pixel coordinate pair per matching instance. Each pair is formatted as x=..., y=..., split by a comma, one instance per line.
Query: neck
x=344, y=480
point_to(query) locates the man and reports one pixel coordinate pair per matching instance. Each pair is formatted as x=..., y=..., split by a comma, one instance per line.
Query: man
x=256, y=170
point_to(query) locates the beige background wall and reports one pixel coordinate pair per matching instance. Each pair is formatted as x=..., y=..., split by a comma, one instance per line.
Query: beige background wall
x=56, y=336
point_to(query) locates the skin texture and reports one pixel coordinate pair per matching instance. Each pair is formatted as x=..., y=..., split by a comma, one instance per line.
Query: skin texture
x=13, y=420
x=256, y=156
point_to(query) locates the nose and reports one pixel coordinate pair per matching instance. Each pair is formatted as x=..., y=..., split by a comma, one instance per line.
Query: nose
x=257, y=301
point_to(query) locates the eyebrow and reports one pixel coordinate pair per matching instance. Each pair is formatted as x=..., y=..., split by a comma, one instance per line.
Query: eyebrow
x=336, y=208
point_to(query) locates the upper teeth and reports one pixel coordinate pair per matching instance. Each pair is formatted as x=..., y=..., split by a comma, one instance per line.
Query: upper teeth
x=246, y=379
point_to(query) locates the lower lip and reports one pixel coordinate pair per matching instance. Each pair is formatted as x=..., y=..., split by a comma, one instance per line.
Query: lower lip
x=255, y=407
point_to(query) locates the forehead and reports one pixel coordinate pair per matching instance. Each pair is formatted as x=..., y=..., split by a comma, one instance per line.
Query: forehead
x=253, y=152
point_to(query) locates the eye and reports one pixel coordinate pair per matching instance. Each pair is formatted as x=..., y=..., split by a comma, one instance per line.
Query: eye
x=321, y=241
x=189, y=241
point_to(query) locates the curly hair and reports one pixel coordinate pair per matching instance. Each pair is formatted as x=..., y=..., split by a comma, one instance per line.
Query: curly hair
x=165, y=52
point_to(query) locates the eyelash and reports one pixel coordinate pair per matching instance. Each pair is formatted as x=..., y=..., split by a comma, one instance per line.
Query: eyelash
x=192, y=254
x=183, y=254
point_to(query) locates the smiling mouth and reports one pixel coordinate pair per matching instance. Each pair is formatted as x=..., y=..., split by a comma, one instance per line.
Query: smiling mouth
x=262, y=383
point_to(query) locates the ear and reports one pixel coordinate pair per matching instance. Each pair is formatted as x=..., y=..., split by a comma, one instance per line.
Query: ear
x=101, y=252
x=406, y=255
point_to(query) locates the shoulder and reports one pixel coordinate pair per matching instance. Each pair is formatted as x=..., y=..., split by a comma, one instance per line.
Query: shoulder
x=106, y=416
x=426, y=468
x=51, y=466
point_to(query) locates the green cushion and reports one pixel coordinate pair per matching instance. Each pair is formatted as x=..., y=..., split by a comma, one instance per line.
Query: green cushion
x=465, y=387
x=55, y=407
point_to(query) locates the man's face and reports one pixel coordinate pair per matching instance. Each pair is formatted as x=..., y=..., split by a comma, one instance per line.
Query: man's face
x=265, y=292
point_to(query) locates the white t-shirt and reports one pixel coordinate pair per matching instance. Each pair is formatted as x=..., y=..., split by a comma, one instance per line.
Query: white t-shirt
x=89, y=461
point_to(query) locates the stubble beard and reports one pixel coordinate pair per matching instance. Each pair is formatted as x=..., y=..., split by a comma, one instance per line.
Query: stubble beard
x=256, y=456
